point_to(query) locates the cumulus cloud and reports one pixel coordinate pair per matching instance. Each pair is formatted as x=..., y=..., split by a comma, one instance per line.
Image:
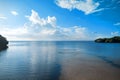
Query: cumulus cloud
x=47, y=28
x=14, y=13
x=86, y=6
x=38, y=28
x=35, y=19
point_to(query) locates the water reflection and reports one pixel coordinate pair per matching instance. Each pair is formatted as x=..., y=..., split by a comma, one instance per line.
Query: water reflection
x=3, y=53
x=31, y=61
x=44, y=62
x=58, y=61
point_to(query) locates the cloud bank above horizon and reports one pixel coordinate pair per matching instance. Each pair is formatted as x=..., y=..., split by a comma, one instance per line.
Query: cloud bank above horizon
x=60, y=19
x=38, y=28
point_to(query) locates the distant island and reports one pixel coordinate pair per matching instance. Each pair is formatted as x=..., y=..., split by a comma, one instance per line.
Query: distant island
x=3, y=43
x=115, y=39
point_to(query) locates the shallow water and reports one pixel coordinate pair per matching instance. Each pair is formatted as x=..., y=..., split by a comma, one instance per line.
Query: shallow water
x=61, y=60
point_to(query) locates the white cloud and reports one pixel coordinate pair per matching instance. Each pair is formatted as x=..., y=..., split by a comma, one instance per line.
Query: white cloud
x=13, y=34
x=100, y=35
x=115, y=33
x=86, y=6
x=2, y=17
x=117, y=24
x=38, y=28
x=14, y=13
x=35, y=19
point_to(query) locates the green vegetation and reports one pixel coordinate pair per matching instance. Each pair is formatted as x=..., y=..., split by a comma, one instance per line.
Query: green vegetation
x=115, y=39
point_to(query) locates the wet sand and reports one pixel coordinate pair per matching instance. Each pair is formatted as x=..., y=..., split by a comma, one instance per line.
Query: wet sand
x=88, y=67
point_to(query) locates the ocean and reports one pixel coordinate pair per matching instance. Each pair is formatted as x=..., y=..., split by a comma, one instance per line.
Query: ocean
x=60, y=60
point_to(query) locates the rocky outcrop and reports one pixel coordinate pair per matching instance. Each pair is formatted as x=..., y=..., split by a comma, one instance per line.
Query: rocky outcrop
x=3, y=43
x=115, y=39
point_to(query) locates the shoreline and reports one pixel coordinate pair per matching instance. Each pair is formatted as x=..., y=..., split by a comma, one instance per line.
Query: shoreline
x=87, y=67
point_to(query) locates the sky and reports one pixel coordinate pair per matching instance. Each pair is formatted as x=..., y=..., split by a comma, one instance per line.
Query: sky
x=59, y=19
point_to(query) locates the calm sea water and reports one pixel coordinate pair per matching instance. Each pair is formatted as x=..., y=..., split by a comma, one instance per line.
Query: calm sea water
x=43, y=60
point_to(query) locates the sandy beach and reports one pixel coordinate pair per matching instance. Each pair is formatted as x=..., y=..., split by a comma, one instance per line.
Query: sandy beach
x=88, y=67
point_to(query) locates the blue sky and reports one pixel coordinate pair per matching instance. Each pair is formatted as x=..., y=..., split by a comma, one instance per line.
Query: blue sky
x=59, y=19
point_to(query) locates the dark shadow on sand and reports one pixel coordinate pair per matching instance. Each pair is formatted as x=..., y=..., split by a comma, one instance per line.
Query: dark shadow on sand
x=109, y=61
